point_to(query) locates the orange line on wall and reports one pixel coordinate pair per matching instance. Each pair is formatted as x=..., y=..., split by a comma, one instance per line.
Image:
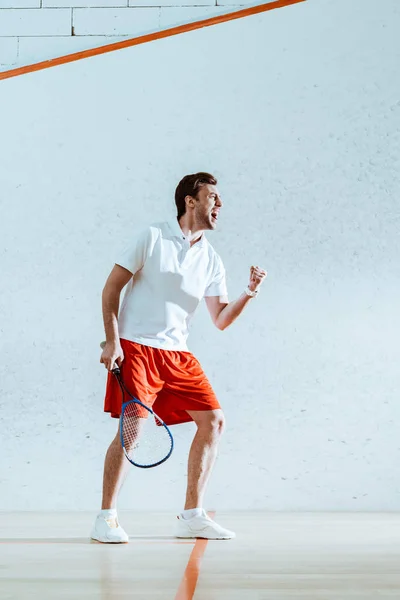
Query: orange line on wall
x=188, y=584
x=144, y=39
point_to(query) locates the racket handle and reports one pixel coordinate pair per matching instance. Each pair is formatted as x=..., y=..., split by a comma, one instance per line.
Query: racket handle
x=116, y=370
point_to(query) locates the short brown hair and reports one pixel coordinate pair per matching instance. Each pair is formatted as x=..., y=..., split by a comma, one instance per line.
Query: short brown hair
x=190, y=186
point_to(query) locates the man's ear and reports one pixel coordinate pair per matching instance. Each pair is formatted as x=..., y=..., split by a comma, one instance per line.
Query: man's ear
x=190, y=201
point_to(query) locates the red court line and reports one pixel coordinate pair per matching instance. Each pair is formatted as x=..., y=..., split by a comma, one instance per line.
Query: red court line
x=144, y=39
x=188, y=584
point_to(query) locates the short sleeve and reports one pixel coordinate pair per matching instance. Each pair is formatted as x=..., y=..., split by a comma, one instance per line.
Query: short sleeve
x=135, y=254
x=217, y=285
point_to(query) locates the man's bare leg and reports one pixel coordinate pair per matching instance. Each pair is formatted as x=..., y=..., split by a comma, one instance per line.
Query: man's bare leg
x=116, y=468
x=202, y=455
x=107, y=528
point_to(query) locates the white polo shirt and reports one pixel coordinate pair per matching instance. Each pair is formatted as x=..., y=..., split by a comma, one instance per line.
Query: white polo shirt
x=170, y=278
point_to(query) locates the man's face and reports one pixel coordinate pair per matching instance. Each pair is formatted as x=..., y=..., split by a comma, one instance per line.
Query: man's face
x=207, y=207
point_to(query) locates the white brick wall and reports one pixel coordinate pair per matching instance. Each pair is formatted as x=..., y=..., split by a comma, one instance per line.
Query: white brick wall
x=174, y=3
x=176, y=16
x=36, y=30
x=34, y=21
x=84, y=3
x=297, y=113
x=20, y=4
x=8, y=51
x=109, y=21
x=242, y=2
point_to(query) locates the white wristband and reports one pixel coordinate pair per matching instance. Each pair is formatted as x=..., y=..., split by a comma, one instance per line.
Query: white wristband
x=250, y=293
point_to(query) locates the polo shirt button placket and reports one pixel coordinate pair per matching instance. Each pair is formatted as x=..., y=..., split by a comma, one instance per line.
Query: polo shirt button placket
x=185, y=250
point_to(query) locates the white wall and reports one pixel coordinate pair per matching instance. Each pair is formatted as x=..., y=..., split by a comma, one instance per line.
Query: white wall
x=297, y=113
x=36, y=30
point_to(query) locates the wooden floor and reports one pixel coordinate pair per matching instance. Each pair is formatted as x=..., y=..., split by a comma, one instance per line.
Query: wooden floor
x=276, y=556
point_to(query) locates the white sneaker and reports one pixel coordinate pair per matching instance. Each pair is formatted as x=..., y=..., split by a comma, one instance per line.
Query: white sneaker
x=109, y=531
x=202, y=527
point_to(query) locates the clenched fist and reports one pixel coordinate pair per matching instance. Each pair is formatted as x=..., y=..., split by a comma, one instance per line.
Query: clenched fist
x=257, y=276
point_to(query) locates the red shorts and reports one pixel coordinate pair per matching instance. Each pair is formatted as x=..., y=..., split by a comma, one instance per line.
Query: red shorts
x=168, y=381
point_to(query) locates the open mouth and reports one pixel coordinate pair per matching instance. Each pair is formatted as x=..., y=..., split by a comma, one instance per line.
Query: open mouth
x=214, y=215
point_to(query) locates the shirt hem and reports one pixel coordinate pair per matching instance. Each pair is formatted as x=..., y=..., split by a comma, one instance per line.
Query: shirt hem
x=154, y=344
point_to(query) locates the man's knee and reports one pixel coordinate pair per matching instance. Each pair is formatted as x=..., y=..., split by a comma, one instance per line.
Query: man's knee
x=213, y=422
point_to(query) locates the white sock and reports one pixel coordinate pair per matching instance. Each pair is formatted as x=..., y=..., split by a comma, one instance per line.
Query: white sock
x=108, y=513
x=191, y=512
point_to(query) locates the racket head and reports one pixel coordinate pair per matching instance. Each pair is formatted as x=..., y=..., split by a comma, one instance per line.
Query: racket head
x=146, y=440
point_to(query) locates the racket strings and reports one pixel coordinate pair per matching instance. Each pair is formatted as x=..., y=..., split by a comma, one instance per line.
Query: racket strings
x=146, y=440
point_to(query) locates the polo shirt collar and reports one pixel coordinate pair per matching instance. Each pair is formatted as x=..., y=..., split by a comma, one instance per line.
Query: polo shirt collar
x=177, y=232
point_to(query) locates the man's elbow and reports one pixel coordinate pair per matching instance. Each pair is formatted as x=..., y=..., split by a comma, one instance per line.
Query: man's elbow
x=220, y=325
x=220, y=320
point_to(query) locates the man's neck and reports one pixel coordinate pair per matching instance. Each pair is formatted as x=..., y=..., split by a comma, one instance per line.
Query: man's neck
x=192, y=233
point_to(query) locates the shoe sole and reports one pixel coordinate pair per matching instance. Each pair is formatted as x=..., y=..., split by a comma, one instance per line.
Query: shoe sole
x=199, y=537
x=95, y=541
